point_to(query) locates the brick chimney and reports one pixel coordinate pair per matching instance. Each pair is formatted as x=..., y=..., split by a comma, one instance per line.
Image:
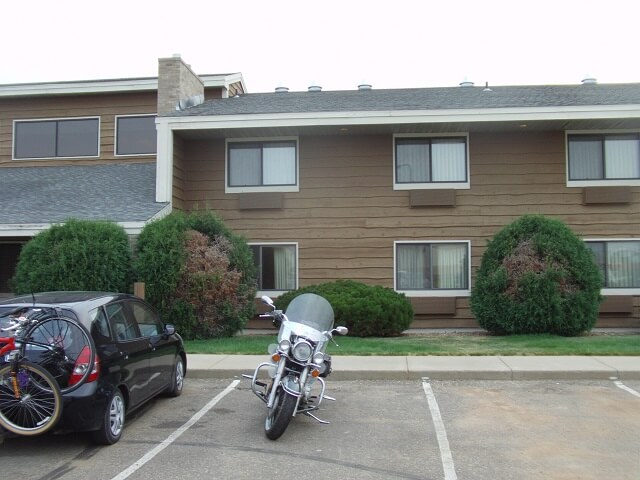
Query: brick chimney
x=177, y=84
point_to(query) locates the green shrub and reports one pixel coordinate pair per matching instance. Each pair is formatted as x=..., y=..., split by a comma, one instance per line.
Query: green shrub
x=368, y=311
x=77, y=255
x=537, y=276
x=197, y=273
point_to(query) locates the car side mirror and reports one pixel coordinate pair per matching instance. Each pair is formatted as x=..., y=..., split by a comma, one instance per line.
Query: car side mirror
x=169, y=330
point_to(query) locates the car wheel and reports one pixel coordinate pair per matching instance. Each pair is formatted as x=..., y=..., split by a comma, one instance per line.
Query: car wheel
x=177, y=379
x=113, y=420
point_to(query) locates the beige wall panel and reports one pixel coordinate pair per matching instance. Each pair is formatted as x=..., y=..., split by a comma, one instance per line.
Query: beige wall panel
x=346, y=215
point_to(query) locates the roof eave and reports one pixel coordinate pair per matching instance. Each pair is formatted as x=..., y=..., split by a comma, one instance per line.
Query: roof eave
x=293, y=119
x=107, y=86
x=32, y=229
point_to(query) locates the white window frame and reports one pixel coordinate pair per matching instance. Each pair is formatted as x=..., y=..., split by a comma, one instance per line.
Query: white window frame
x=616, y=291
x=276, y=293
x=432, y=185
x=263, y=188
x=116, y=132
x=596, y=183
x=432, y=292
x=55, y=119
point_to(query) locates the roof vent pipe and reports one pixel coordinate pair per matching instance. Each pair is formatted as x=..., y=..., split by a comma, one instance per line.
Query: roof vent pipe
x=589, y=81
x=466, y=83
x=282, y=89
x=364, y=86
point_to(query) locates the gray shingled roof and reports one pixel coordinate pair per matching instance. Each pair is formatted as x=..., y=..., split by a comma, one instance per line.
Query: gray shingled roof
x=420, y=99
x=119, y=193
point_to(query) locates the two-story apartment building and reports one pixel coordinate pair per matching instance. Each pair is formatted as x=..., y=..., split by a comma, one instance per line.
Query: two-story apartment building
x=403, y=188
x=87, y=150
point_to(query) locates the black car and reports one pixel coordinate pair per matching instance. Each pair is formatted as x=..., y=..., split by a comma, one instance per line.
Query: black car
x=137, y=357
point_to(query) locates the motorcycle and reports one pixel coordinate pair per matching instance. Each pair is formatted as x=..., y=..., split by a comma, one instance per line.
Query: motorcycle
x=298, y=364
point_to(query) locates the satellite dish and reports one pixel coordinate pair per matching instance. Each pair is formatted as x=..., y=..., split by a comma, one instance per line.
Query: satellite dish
x=191, y=101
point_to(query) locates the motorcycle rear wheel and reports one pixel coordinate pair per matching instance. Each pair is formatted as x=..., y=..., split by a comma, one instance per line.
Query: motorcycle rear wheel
x=279, y=416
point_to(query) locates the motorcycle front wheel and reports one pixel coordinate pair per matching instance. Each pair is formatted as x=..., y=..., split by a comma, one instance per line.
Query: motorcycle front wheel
x=279, y=416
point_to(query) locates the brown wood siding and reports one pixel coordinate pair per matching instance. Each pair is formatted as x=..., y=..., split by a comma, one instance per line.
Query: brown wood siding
x=178, y=173
x=346, y=215
x=105, y=106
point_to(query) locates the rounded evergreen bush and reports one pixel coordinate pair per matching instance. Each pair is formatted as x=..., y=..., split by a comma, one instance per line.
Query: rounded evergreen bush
x=537, y=276
x=368, y=311
x=197, y=273
x=76, y=255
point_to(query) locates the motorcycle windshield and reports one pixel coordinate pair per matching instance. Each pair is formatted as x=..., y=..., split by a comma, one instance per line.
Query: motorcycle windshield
x=311, y=310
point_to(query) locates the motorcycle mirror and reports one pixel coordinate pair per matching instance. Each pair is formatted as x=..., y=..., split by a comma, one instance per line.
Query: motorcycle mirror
x=267, y=301
x=342, y=330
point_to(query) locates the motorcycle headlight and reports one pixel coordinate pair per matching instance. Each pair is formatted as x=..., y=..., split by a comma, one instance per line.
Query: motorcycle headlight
x=318, y=358
x=302, y=351
x=284, y=346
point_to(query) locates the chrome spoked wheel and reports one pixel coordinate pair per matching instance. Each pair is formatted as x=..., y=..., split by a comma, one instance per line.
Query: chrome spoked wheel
x=30, y=400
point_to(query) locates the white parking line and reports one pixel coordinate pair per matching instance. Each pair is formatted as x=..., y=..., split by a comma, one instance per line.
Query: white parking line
x=621, y=385
x=441, y=433
x=171, y=438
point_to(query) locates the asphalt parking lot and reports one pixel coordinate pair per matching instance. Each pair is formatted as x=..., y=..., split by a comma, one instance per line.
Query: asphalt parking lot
x=383, y=429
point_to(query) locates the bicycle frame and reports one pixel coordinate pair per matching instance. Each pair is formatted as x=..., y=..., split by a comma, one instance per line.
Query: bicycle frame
x=12, y=348
x=10, y=344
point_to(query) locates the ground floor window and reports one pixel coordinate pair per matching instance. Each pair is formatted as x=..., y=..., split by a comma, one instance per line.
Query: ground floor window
x=619, y=262
x=436, y=266
x=277, y=266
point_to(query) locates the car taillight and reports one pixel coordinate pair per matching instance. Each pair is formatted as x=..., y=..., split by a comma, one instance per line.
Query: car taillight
x=81, y=366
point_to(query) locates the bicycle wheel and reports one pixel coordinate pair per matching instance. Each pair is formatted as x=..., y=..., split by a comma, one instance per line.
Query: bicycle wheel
x=30, y=400
x=72, y=357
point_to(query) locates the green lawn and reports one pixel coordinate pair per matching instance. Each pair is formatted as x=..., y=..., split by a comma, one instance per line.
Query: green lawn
x=440, y=344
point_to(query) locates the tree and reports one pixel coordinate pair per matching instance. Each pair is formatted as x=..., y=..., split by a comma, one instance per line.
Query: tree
x=537, y=276
x=77, y=255
x=197, y=273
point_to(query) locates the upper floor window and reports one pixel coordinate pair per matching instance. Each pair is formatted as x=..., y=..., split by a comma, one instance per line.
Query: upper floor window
x=261, y=166
x=277, y=266
x=431, y=162
x=619, y=262
x=603, y=159
x=432, y=268
x=136, y=135
x=60, y=138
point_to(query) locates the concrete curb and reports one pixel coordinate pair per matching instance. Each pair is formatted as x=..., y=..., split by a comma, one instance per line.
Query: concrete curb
x=439, y=367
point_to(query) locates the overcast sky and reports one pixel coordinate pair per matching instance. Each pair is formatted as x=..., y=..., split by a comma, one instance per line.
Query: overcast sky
x=337, y=44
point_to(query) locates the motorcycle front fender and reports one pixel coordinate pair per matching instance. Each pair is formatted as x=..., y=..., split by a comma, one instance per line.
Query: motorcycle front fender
x=292, y=386
x=276, y=381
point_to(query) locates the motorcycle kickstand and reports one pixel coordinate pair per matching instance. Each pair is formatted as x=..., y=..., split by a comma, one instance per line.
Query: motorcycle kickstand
x=324, y=422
